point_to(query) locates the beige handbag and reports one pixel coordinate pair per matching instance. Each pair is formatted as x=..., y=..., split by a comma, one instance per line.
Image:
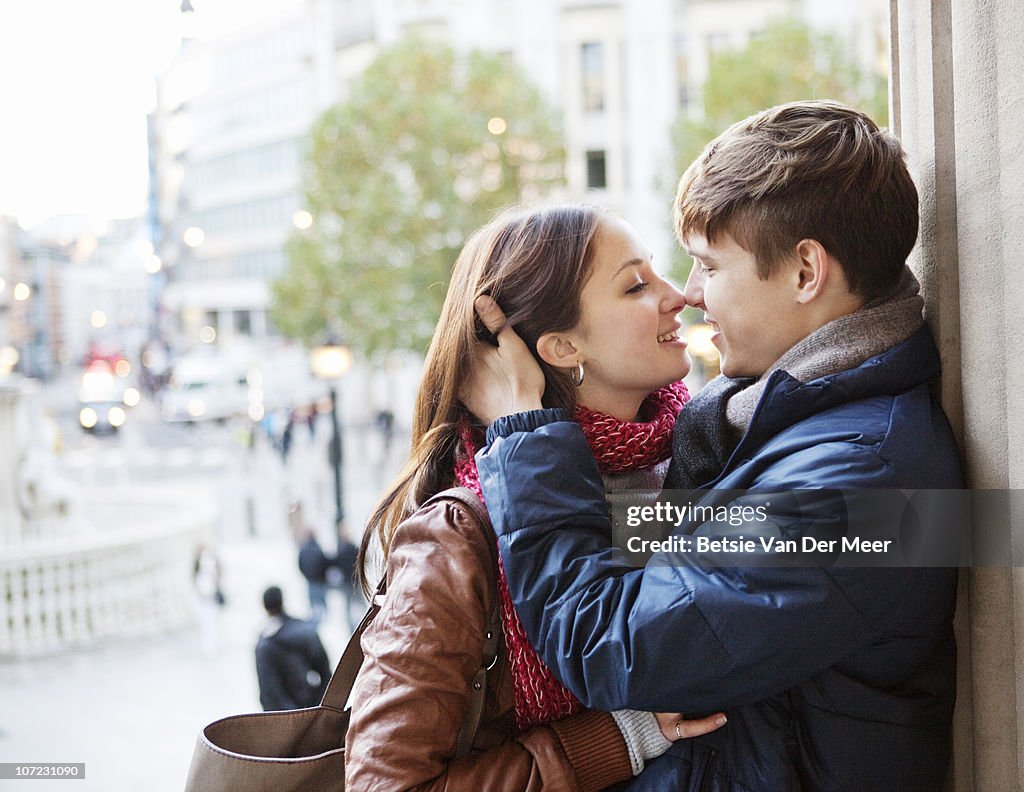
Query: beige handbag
x=304, y=750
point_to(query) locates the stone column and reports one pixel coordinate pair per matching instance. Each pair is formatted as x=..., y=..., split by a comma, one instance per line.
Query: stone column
x=958, y=106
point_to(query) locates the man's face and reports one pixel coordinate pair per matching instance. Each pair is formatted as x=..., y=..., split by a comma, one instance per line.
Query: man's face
x=754, y=321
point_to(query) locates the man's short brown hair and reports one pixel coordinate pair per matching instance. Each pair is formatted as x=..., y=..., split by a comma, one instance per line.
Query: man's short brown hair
x=806, y=170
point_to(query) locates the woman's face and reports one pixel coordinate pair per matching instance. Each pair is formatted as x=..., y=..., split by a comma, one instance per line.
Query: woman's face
x=628, y=336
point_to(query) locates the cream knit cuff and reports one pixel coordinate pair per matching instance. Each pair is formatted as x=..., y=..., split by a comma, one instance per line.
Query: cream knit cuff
x=643, y=737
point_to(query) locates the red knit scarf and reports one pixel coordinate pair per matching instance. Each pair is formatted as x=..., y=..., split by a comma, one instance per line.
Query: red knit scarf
x=618, y=446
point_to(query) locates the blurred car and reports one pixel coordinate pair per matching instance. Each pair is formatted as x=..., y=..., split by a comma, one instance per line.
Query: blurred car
x=218, y=385
x=205, y=387
x=101, y=407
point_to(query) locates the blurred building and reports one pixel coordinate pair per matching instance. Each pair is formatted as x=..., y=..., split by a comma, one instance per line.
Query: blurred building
x=105, y=293
x=228, y=132
x=9, y=273
x=226, y=143
x=69, y=289
x=35, y=306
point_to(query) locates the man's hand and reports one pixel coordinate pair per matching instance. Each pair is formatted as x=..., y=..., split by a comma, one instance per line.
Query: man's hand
x=675, y=727
x=504, y=379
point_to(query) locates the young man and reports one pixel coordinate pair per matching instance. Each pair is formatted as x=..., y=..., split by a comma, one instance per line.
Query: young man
x=291, y=664
x=799, y=220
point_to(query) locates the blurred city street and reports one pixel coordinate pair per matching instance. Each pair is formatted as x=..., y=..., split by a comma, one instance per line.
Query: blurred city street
x=130, y=708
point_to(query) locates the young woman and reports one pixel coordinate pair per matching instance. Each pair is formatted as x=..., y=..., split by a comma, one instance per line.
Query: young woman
x=577, y=284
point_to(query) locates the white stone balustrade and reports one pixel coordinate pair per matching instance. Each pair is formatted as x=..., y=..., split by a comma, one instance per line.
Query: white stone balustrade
x=76, y=567
x=133, y=579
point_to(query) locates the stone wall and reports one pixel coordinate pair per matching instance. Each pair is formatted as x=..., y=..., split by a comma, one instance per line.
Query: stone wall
x=959, y=109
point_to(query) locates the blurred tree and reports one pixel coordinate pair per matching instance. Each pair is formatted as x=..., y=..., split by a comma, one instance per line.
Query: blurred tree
x=428, y=146
x=786, y=62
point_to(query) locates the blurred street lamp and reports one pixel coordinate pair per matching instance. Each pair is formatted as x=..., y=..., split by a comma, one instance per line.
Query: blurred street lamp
x=330, y=361
x=193, y=236
x=698, y=341
x=9, y=357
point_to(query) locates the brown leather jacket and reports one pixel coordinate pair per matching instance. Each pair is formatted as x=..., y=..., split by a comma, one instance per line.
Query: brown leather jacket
x=413, y=691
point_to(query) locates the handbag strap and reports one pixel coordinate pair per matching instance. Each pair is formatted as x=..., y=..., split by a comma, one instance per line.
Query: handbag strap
x=345, y=673
x=344, y=677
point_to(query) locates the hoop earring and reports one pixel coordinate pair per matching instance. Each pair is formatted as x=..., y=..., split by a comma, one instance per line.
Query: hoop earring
x=576, y=375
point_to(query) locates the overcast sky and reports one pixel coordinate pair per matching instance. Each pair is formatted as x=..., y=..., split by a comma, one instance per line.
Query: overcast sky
x=76, y=82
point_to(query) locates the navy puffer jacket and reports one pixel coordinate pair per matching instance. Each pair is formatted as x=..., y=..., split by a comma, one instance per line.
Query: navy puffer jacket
x=833, y=678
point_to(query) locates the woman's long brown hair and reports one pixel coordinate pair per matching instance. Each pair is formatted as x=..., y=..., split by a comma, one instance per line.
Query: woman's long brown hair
x=534, y=263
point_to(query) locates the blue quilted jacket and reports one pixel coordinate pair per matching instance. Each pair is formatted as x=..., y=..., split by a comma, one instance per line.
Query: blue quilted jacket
x=833, y=677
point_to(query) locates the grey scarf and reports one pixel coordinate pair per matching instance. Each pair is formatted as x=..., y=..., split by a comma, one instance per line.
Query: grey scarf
x=713, y=422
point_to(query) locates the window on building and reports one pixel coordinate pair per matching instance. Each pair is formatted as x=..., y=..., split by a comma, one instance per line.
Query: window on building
x=592, y=70
x=717, y=42
x=243, y=322
x=596, y=175
x=682, y=71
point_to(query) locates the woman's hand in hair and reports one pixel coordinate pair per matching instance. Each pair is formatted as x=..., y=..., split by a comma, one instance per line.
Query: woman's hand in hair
x=504, y=379
x=675, y=727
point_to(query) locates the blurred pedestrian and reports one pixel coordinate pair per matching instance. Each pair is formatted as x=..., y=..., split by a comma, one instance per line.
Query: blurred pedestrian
x=310, y=418
x=313, y=564
x=344, y=578
x=385, y=420
x=291, y=664
x=287, y=435
x=274, y=423
x=206, y=578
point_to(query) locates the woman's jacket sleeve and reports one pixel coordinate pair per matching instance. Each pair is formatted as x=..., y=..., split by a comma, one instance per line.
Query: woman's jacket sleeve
x=413, y=691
